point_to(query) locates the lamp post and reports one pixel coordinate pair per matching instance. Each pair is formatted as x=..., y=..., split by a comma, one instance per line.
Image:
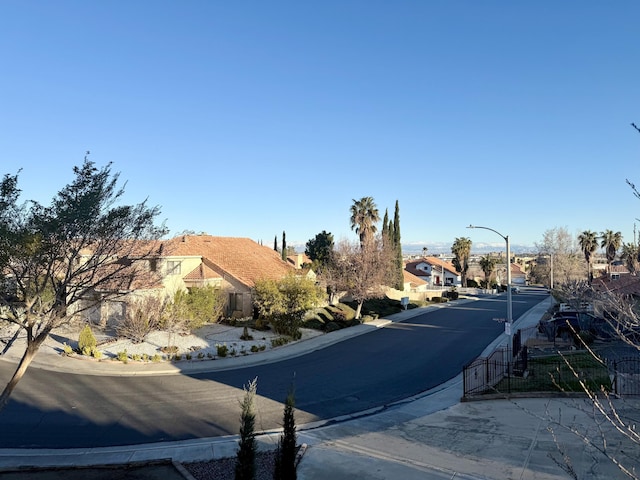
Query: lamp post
x=509, y=300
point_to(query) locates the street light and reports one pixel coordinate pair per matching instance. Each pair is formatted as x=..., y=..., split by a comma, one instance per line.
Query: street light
x=509, y=302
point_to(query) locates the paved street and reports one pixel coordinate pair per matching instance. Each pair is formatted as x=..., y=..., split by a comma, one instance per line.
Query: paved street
x=430, y=436
x=95, y=407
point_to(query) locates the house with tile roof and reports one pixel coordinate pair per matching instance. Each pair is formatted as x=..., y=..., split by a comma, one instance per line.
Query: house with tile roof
x=413, y=283
x=435, y=271
x=625, y=285
x=299, y=260
x=231, y=263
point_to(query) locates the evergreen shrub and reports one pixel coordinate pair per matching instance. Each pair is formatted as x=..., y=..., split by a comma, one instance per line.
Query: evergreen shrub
x=86, y=341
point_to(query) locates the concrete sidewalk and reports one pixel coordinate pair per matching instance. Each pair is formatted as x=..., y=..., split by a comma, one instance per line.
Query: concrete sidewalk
x=432, y=436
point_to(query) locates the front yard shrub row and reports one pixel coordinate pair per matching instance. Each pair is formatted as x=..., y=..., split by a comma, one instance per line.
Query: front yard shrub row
x=342, y=315
x=280, y=341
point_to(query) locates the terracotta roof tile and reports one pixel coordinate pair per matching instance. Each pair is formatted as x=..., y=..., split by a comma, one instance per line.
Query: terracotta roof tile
x=202, y=272
x=619, y=269
x=412, y=279
x=441, y=263
x=624, y=285
x=411, y=267
x=241, y=258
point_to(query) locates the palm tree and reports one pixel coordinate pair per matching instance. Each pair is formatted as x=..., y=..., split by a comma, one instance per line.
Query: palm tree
x=488, y=265
x=611, y=242
x=630, y=254
x=461, y=248
x=588, y=244
x=364, y=216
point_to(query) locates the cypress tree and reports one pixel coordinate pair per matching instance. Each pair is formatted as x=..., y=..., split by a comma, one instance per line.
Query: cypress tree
x=398, y=249
x=246, y=456
x=275, y=243
x=284, y=247
x=385, y=228
x=285, y=468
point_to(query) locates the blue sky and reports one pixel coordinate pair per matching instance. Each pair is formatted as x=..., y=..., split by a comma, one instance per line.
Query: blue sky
x=249, y=118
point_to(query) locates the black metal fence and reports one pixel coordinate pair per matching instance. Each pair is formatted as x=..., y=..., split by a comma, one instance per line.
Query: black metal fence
x=512, y=369
x=500, y=373
x=626, y=376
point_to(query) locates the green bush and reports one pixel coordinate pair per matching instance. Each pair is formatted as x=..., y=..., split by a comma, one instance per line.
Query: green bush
x=67, y=350
x=341, y=312
x=472, y=283
x=197, y=306
x=352, y=323
x=339, y=316
x=324, y=315
x=97, y=354
x=123, y=356
x=156, y=358
x=332, y=327
x=315, y=323
x=383, y=307
x=222, y=350
x=279, y=342
x=261, y=325
x=440, y=299
x=285, y=302
x=86, y=341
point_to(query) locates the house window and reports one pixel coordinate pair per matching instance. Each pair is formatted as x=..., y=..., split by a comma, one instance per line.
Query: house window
x=235, y=302
x=173, y=268
x=153, y=264
x=615, y=276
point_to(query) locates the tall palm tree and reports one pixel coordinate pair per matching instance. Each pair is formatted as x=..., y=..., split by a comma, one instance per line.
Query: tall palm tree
x=611, y=242
x=631, y=256
x=364, y=216
x=461, y=248
x=488, y=265
x=588, y=244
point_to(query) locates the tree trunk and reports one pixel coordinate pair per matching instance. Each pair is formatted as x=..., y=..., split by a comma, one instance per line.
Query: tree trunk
x=25, y=361
x=359, y=309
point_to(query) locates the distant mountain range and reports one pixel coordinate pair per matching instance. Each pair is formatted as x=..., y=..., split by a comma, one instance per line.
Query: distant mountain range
x=436, y=248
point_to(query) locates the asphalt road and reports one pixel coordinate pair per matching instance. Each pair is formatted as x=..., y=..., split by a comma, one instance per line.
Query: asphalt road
x=57, y=410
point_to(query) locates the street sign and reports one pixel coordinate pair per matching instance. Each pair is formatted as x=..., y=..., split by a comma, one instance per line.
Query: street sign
x=507, y=328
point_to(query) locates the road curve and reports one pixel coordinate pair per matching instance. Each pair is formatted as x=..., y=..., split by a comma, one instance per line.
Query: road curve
x=63, y=410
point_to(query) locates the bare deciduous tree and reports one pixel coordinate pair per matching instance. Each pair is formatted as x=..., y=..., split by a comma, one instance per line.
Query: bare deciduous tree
x=568, y=261
x=143, y=316
x=613, y=432
x=360, y=270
